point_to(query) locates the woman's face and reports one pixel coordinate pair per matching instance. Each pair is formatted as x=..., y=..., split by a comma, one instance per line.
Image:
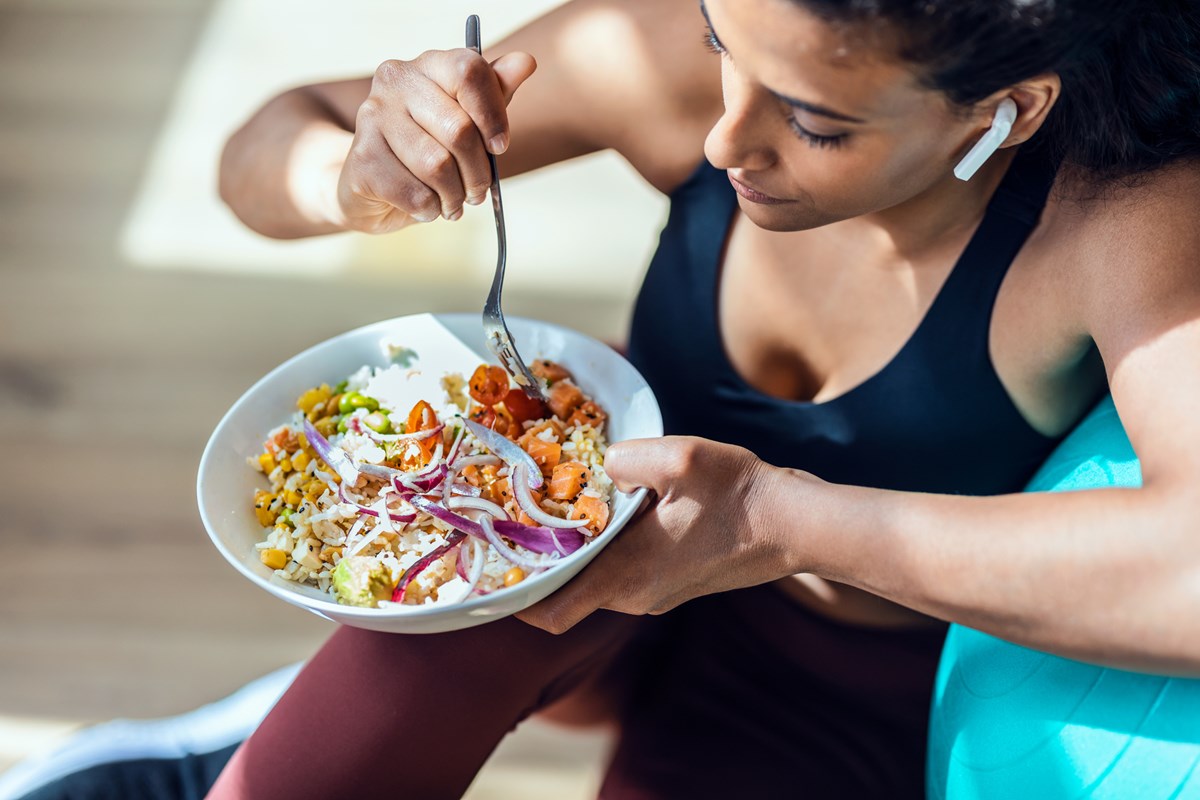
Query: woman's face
x=818, y=126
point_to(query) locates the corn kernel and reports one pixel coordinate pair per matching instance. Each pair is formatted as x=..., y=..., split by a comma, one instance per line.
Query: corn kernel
x=314, y=489
x=514, y=576
x=267, y=463
x=292, y=497
x=300, y=461
x=275, y=559
x=286, y=464
x=262, y=508
x=312, y=398
x=326, y=426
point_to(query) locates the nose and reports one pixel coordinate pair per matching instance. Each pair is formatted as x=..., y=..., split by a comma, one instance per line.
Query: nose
x=741, y=138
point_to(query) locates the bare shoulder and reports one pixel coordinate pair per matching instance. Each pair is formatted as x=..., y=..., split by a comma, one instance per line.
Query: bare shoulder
x=1132, y=247
x=627, y=75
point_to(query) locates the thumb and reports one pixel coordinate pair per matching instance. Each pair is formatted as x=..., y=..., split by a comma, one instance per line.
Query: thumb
x=635, y=464
x=513, y=69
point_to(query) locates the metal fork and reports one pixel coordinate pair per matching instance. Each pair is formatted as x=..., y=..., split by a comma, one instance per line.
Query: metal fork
x=499, y=339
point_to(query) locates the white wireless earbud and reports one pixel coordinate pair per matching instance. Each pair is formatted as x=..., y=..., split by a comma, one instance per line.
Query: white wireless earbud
x=1006, y=115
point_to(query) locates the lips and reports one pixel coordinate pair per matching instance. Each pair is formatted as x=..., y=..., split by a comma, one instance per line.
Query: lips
x=752, y=194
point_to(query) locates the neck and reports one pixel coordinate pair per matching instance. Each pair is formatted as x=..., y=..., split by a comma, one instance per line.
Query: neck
x=938, y=217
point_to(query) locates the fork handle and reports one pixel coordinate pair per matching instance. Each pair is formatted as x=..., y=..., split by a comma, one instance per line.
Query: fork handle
x=474, y=42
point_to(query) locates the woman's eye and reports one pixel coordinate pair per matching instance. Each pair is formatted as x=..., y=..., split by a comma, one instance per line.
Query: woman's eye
x=814, y=139
x=713, y=43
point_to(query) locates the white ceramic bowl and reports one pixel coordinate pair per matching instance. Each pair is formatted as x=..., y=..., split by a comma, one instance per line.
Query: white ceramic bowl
x=225, y=484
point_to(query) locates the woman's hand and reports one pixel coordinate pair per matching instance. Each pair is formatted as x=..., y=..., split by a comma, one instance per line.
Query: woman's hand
x=710, y=530
x=422, y=137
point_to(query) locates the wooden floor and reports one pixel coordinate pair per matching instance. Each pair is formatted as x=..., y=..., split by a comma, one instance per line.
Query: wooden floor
x=111, y=379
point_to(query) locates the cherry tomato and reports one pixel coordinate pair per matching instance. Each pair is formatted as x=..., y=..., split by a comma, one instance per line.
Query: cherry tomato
x=522, y=408
x=488, y=384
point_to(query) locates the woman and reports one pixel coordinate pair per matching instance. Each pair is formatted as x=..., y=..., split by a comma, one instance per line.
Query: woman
x=878, y=355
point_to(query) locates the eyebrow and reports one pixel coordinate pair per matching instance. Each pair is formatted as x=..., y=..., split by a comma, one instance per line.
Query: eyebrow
x=803, y=105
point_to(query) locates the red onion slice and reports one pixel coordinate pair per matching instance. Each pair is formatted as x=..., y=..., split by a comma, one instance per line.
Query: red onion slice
x=456, y=444
x=370, y=512
x=541, y=540
x=437, y=511
x=525, y=500
x=465, y=489
x=479, y=504
x=421, y=484
x=482, y=460
x=422, y=564
x=367, y=431
x=509, y=451
x=479, y=551
x=337, y=458
x=493, y=538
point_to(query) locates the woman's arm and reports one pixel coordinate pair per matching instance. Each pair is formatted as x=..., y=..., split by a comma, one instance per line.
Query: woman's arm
x=624, y=74
x=1110, y=576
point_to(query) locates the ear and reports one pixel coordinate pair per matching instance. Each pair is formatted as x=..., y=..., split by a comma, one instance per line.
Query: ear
x=1034, y=98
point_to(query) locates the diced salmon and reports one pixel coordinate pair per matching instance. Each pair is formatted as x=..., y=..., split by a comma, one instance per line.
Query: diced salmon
x=545, y=454
x=588, y=414
x=593, y=509
x=522, y=517
x=564, y=397
x=569, y=479
x=499, y=491
x=548, y=370
x=548, y=425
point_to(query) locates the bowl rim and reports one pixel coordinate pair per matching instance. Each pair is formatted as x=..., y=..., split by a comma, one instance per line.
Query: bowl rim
x=332, y=607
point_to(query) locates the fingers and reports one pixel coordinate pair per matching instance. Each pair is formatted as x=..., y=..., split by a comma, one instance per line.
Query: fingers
x=373, y=177
x=431, y=162
x=512, y=70
x=558, y=613
x=467, y=174
x=424, y=133
x=640, y=463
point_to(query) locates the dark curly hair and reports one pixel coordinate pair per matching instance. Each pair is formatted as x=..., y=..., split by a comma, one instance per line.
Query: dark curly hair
x=1130, y=69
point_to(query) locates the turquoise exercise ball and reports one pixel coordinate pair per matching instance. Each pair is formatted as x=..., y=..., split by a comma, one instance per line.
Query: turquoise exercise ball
x=1010, y=723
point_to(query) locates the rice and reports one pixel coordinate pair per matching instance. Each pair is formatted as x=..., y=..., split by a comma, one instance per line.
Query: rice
x=307, y=521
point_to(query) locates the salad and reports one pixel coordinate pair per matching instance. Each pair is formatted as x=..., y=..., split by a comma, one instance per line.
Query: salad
x=472, y=488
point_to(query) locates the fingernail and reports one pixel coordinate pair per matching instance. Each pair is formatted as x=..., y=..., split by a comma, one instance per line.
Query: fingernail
x=475, y=199
x=424, y=217
x=455, y=214
x=498, y=143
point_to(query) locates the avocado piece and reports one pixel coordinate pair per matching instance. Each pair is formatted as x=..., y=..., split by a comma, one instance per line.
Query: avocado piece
x=361, y=581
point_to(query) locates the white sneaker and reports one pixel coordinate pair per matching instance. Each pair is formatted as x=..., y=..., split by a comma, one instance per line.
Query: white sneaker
x=211, y=728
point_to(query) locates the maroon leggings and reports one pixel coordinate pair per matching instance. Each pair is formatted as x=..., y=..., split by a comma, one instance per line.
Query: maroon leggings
x=740, y=694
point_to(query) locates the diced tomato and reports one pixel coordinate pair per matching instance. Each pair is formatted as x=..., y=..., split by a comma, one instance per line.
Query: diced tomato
x=569, y=479
x=548, y=370
x=421, y=418
x=522, y=408
x=490, y=419
x=593, y=509
x=488, y=384
x=588, y=414
x=565, y=397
